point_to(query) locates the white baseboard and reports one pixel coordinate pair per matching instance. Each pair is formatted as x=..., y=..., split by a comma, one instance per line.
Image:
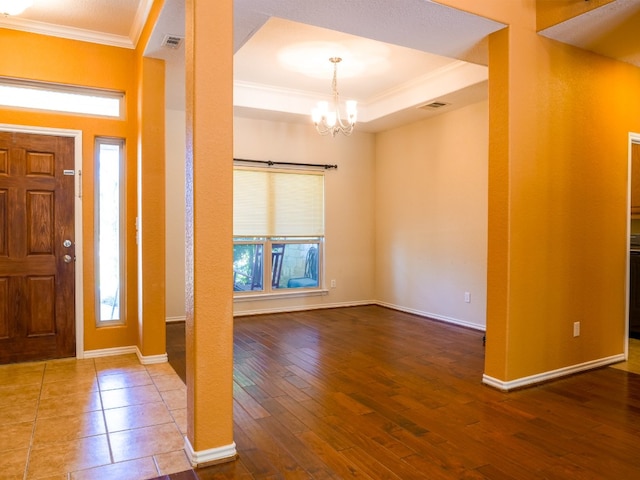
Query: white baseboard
x=211, y=456
x=222, y=453
x=301, y=308
x=175, y=319
x=552, y=375
x=109, y=352
x=433, y=316
x=151, y=359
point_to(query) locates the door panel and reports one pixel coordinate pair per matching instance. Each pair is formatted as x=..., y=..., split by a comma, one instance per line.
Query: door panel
x=4, y=310
x=37, y=287
x=41, y=306
x=4, y=224
x=40, y=223
x=40, y=164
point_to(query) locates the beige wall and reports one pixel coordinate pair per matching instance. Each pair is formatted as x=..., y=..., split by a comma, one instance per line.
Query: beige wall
x=349, y=197
x=431, y=216
x=349, y=242
x=405, y=213
x=175, y=148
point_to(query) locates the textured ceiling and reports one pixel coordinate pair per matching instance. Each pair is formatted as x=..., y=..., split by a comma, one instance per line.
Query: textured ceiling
x=110, y=22
x=612, y=30
x=96, y=15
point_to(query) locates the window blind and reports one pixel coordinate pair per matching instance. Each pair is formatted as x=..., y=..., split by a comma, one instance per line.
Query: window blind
x=276, y=203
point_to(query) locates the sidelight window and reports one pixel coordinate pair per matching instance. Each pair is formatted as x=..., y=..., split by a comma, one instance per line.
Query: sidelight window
x=109, y=195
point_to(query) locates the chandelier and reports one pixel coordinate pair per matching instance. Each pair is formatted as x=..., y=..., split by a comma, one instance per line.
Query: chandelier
x=329, y=122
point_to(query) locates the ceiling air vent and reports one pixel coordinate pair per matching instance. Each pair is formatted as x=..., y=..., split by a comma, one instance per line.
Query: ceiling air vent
x=433, y=105
x=172, y=41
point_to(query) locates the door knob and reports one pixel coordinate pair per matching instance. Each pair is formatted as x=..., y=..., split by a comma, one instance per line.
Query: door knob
x=67, y=258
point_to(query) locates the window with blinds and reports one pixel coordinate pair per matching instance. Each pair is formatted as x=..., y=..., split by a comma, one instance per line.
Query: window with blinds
x=278, y=227
x=277, y=203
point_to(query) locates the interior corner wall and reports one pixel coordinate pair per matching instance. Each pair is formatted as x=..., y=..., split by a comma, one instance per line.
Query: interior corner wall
x=431, y=216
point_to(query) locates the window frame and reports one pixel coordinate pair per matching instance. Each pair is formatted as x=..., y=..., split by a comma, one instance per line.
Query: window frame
x=267, y=267
x=57, y=89
x=120, y=143
x=269, y=239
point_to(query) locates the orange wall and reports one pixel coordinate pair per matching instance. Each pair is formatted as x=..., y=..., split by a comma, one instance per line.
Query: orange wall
x=151, y=209
x=38, y=57
x=50, y=59
x=209, y=225
x=151, y=195
x=559, y=124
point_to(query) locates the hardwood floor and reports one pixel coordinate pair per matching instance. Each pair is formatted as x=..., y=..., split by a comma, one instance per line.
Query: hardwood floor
x=372, y=393
x=176, y=349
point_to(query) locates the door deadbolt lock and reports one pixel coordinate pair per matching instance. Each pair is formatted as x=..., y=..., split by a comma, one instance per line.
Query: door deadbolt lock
x=67, y=243
x=67, y=258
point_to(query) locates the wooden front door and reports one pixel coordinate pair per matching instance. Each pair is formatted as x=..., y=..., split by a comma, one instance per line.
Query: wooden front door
x=37, y=261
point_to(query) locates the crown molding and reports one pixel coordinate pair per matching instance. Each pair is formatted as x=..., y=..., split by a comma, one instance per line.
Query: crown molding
x=80, y=34
x=142, y=14
x=443, y=81
x=450, y=70
x=70, y=33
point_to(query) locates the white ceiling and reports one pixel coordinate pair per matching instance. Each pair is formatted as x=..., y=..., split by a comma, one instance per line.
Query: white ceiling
x=398, y=55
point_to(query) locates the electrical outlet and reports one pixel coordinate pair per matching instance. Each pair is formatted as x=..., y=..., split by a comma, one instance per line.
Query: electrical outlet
x=576, y=329
x=333, y=284
x=467, y=297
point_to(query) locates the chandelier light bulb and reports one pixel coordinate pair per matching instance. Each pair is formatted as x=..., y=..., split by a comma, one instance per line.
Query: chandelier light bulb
x=330, y=118
x=352, y=110
x=329, y=122
x=316, y=116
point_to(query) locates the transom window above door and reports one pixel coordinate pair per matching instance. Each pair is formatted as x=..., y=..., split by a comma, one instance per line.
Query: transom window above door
x=61, y=98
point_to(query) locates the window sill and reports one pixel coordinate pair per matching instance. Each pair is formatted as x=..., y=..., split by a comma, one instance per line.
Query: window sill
x=280, y=295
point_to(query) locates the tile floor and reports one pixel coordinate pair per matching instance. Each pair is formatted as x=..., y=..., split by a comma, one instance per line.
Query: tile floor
x=633, y=362
x=102, y=418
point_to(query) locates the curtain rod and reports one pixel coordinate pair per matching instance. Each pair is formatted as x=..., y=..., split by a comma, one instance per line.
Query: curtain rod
x=271, y=163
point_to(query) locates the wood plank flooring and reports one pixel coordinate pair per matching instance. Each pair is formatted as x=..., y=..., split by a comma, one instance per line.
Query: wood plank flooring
x=372, y=393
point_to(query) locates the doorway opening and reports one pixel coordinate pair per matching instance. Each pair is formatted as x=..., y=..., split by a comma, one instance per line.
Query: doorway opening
x=632, y=337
